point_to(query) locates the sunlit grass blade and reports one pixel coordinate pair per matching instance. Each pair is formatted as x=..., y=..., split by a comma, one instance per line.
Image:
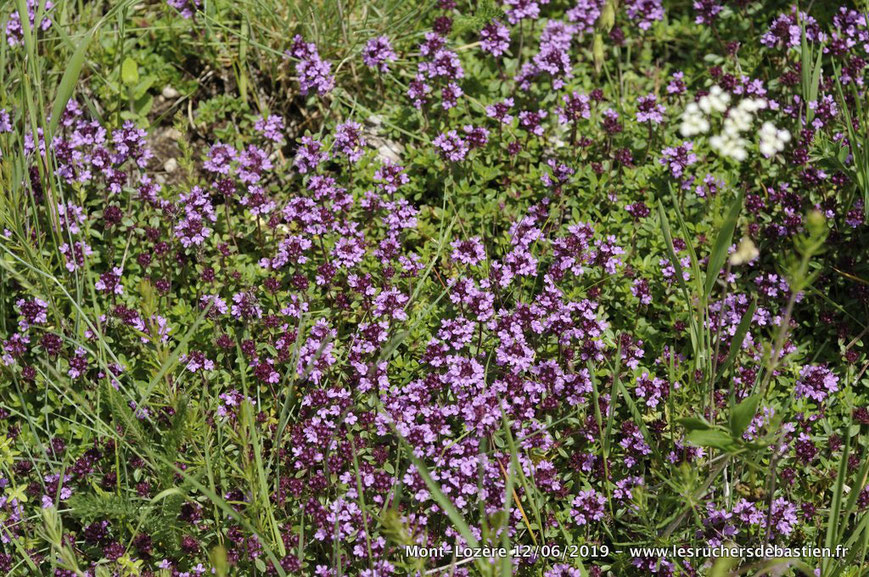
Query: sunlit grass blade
x=718, y=256
x=68, y=81
x=738, y=338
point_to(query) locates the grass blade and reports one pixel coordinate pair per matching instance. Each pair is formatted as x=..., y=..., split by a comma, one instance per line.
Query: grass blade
x=67, y=82
x=722, y=243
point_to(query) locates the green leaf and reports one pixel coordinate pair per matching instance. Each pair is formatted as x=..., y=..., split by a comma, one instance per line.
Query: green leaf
x=723, y=567
x=722, y=243
x=219, y=561
x=638, y=417
x=674, y=260
x=816, y=75
x=715, y=438
x=742, y=415
x=833, y=519
x=738, y=339
x=695, y=423
x=167, y=493
x=68, y=82
x=129, y=72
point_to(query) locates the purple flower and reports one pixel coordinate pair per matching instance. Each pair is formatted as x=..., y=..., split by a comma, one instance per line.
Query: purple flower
x=74, y=254
x=391, y=303
x=623, y=488
x=33, y=312
x=562, y=570
x=313, y=72
x=633, y=444
x=825, y=111
x=14, y=32
x=348, y=141
x=572, y=252
x=433, y=42
x=854, y=218
x=5, y=121
x=500, y=111
x=678, y=158
x=419, y=90
x=245, y=306
x=191, y=230
x=559, y=175
x=218, y=305
x=772, y=285
x=220, y=156
x=495, y=38
x=160, y=328
x=186, y=7
x=677, y=83
x=378, y=53
x=607, y=254
x=231, y=400
x=640, y=289
x=469, y=252
x=110, y=282
x=258, y=202
x=348, y=252
x=654, y=566
x=443, y=64
x=390, y=177
x=14, y=348
x=525, y=75
x=816, y=382
x=588, y=506
x=78, y=364
x=315, y=356
x=309, y=155
x=400, y=215
x=584, y=14
x=514, y=351
x=70, y=217
x=783, y=517
x=518, y=10
x=652, y=389
x=668, y=271
x=786, y=30
x=130, y=143
x=270, y=127
x=252, y=164
x=611, y=124
x=707, y=11
x=196, y=361
x=475, y=136
x=451, y=146
x=638, y=210
x=554, y=60
x=576, y=106
x=646, y=11
x=450, y=95
x=649, y=111
x=265, y=372
x=709, y=187
x=530, y=120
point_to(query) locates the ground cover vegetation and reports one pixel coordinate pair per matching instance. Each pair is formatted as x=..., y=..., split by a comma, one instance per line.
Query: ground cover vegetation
x=286, y=287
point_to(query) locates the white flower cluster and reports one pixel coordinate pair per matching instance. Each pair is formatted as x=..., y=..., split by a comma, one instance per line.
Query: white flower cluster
x=738, y=120
x=772, y=139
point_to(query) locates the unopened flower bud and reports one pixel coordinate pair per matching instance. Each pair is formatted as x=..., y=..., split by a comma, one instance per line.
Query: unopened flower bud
x=598, y=52
x=816, y=223
x=607, y=16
